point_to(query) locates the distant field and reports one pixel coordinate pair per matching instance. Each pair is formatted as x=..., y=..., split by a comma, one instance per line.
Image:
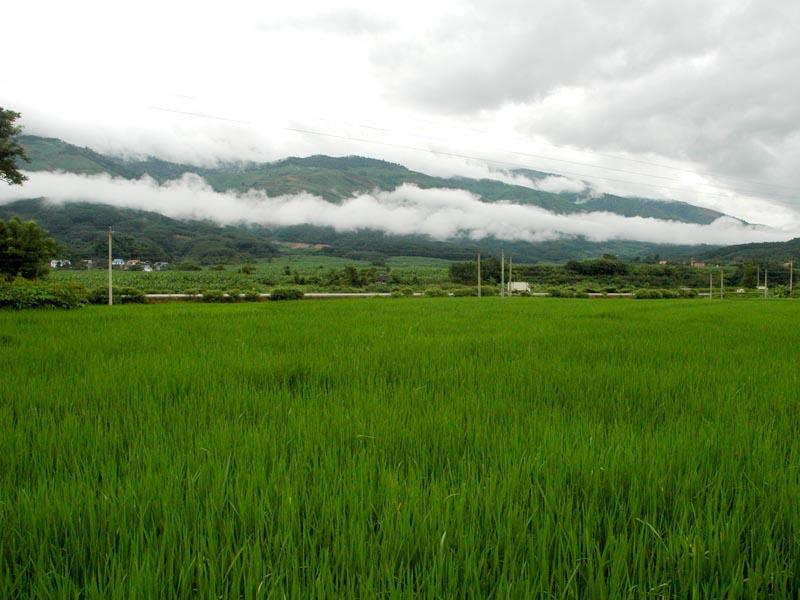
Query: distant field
x=422, y=271
x=437, y=448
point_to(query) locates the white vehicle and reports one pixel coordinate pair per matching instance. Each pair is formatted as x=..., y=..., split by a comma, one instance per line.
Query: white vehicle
x=518, y=287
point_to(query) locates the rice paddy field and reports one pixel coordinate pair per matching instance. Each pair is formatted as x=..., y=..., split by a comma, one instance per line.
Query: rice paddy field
x=397, y=448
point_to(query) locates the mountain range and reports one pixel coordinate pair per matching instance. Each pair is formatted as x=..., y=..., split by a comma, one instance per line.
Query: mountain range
x=80, y=227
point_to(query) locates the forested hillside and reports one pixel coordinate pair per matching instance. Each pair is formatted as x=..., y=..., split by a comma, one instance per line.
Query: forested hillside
x=337, y=178
x=766, y=251
x=81, y=227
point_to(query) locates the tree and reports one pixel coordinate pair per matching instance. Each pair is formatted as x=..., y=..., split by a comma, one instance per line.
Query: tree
x=10, y=150
x=749, y=277
x=25, y=249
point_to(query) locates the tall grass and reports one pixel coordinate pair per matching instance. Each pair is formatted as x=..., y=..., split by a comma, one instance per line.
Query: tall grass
x=438, y=448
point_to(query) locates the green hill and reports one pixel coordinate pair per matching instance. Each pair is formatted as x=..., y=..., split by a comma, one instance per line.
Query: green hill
x=337, y=178
x=763, y=252
x=81, y=227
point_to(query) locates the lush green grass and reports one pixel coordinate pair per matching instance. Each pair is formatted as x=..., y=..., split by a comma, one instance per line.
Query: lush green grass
x=402, y=448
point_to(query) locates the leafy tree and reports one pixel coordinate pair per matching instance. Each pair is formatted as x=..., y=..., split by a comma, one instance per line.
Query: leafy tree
x=10, y=150
x=467, y=272
x=749, y=278
x=25, y=249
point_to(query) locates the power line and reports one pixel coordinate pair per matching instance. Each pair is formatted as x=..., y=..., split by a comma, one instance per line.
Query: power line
x=485, y=132
x=456, y=155
x=566, y=161
x=615, y=157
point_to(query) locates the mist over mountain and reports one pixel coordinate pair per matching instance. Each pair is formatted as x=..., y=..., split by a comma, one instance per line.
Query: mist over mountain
x=354, y=206
x=338, y=178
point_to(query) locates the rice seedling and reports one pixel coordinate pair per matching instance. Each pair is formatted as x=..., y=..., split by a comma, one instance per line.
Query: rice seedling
x=379, y=448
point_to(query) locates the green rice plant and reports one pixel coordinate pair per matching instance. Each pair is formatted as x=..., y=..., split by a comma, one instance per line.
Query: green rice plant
x=474, y=448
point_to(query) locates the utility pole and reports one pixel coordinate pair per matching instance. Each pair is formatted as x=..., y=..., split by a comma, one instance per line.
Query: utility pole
x=110, y=292
x=765, y=282
x=711, y=286
x=510, y=277
x=791, y=276
x=479, y=274
x=721, y=284
x=758, y=276
x=502, y=273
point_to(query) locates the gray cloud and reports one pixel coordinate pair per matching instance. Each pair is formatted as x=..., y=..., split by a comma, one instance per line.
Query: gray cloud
x=709, y=88
x=712, y=83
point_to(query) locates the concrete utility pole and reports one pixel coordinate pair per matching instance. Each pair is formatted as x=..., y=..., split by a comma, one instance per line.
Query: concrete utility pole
x=758, y=276
x=479, y=274
x=765, y=282
x=791, y=276
x=110, y=292
x=721, y=284
x=710, y=286
x=510, y=276
x=502, y=273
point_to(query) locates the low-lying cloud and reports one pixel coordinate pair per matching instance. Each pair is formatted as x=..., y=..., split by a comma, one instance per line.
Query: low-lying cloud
x=439, y=213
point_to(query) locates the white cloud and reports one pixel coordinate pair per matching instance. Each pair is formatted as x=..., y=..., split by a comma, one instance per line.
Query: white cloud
x=439, y=213
x=706, y=90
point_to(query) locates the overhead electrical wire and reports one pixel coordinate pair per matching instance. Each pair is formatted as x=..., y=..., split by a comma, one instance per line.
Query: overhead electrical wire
x=485, y=132
x=561, y=160
x=625, y=158
x=548, y=170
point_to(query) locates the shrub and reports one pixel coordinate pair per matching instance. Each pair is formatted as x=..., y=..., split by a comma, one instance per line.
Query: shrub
x=251, y=296
x=397, y=294
x=286, y=293
x=188, y=266
x=559, y=293
x=123, y=295
x=407, y=291
x=465, y=291
x=213, y=296
x=19, y=293
x=233, y=295
x=435, y=293
x=247, y=268
x=647, y=294
x=129, y=295
x=97, y=296
x=218, y=268
x=780, y=291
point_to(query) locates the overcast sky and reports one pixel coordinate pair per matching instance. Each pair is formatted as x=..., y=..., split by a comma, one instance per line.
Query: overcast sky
x=698, y=101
